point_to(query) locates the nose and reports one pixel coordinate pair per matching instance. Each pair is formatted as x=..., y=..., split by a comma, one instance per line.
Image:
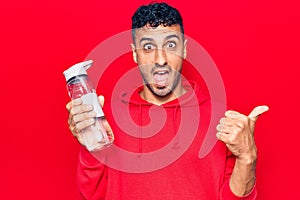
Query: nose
x=160, y=57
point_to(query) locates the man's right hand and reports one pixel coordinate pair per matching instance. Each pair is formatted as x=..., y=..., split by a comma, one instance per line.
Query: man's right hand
x=81, y=116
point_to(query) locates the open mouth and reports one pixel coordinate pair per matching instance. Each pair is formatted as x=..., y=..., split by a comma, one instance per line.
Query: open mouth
x=161, y=78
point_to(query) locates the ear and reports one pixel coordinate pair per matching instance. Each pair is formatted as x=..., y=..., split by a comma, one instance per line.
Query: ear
x=133, y=53
x=184, y=49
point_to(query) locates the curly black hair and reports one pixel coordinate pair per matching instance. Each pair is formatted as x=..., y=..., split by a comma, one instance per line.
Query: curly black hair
x=156, y=14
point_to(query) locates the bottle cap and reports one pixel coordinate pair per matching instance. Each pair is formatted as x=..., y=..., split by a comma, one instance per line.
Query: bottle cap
x=77, y=69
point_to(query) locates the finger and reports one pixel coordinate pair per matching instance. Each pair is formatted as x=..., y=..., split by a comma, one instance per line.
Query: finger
x=70, y=120
x=257, y=111
x=69, y=106
x=84, y=124
x=107, y=127
x=227, y=121
x=101, y=100
x=223, y=137
x=75, y=133
x=226, y=124
x=75, y=102
x=226, y=129
x=219, y=127
x=232, y=114
x=84, y=116
x=81, y=109
x=223, y=120
x=72, y=128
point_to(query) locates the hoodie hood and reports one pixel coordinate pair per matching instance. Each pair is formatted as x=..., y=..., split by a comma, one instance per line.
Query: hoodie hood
x=185, y=100
x=140, y=110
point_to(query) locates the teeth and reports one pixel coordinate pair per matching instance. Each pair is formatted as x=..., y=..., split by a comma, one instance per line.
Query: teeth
x=161, y=73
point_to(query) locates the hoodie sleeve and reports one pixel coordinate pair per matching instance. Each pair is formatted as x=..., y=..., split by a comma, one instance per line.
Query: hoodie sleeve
x=91, y=176
x=226, y=193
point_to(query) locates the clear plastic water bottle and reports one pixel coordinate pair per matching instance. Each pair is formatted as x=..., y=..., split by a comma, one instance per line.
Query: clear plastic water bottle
x=95, y=137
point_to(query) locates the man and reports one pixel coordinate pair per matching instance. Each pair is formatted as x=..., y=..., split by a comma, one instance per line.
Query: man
x=227, y=172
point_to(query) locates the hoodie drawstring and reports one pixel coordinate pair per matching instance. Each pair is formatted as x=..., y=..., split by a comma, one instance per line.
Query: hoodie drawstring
x=140, y=130
x=176, y=139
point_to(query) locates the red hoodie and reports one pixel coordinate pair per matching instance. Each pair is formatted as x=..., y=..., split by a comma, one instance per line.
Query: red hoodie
x=179, y=175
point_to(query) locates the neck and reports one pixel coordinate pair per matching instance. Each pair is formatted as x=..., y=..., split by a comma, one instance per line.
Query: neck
x=147, y=95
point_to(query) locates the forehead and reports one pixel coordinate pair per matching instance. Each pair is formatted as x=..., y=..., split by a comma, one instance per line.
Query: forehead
x=158, y=33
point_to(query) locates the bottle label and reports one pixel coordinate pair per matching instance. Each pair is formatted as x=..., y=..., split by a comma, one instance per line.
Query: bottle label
x=91, y=98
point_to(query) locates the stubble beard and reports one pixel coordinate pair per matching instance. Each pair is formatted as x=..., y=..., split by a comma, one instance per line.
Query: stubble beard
x=159, y=92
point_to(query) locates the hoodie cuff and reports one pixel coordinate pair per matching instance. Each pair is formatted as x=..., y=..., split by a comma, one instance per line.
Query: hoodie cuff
x=227, y=194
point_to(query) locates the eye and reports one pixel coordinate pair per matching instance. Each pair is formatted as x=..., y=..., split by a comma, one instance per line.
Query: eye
x=148, y=47
x=171, y=45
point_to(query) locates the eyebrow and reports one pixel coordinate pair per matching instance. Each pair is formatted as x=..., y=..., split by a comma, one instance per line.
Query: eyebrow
x=167, y=38
x=171, y=36
x=146, y=39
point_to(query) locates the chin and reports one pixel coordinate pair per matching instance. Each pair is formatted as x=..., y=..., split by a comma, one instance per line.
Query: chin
x=162, y=92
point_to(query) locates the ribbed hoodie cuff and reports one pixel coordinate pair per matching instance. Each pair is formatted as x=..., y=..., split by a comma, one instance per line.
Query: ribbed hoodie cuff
x=227, y=194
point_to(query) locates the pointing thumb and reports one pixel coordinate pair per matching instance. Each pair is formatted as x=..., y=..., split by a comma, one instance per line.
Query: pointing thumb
x=257, y=111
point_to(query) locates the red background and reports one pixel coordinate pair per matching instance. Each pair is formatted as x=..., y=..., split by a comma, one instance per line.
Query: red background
x=254, y=43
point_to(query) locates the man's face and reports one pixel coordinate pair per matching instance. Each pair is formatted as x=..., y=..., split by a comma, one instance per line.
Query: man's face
x=159, y=53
